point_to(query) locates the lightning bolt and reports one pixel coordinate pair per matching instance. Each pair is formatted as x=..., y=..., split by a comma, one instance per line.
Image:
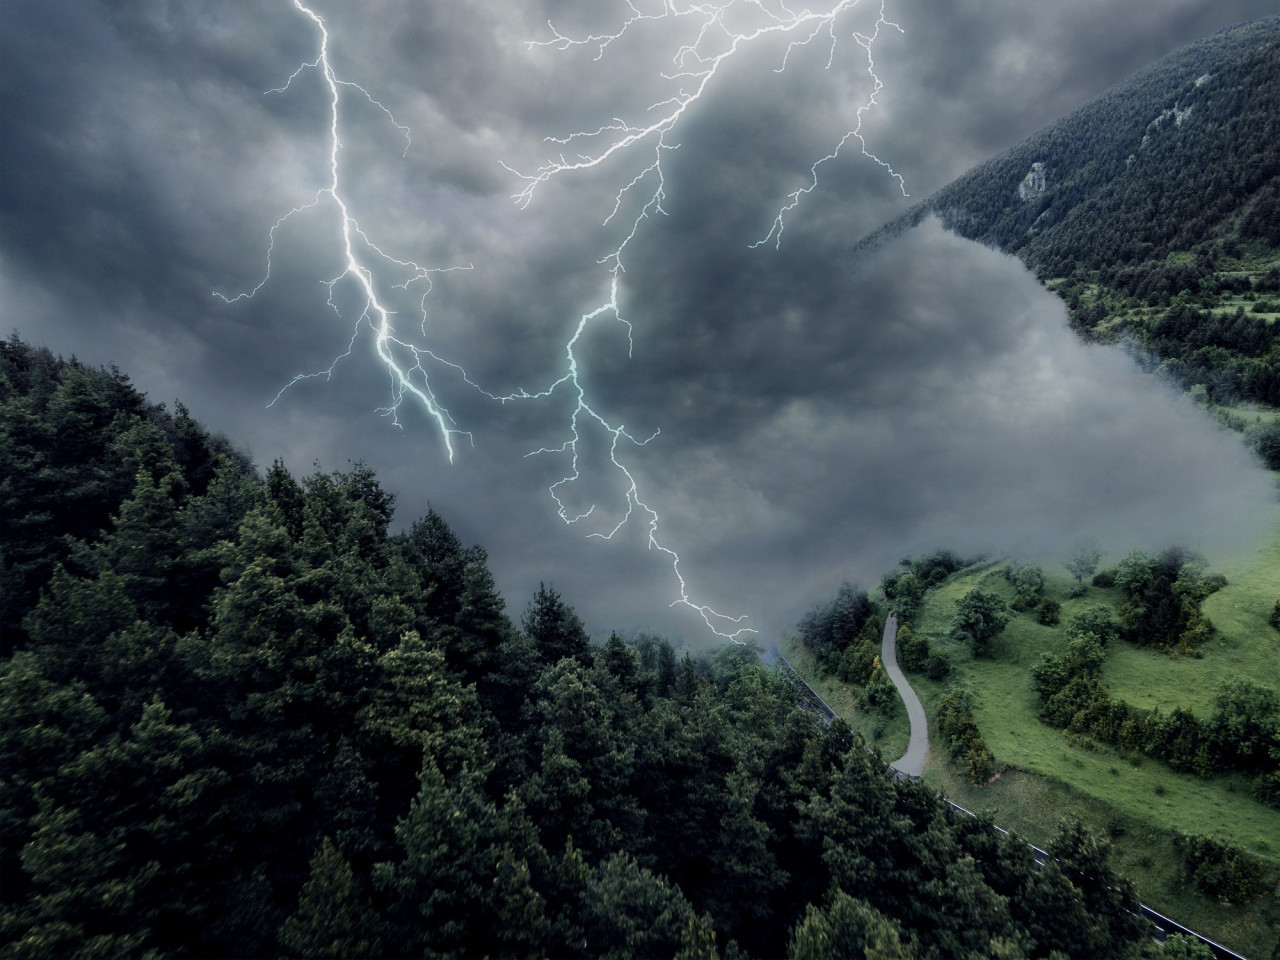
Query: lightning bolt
x=361, y=255
x=712, y=43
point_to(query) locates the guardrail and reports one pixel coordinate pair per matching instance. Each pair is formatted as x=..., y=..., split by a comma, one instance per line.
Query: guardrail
x=810, y=699
x=1162, y=925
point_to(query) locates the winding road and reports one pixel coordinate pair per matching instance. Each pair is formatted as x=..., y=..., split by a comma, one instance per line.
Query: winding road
x=912, y=762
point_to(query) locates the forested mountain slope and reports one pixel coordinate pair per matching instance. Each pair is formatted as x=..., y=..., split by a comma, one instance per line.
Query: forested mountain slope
x=1154, y=211
x=242, y=717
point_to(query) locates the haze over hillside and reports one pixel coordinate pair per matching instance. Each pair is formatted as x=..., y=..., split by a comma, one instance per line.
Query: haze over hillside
x=1184, y=150
x=1154, y=211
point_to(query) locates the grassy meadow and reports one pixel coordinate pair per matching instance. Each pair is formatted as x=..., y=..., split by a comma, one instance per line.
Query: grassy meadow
x=1138, y=802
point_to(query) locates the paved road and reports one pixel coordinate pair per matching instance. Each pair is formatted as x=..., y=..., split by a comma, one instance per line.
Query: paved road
x=911, y=762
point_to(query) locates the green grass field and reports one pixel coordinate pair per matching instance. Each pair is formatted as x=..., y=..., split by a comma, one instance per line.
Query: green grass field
x=1005, y=706
x=1140, y=802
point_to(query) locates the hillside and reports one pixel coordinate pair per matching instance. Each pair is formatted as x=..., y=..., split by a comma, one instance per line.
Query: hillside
x=1154, y=212
x=244, y=717
x=1142, y=699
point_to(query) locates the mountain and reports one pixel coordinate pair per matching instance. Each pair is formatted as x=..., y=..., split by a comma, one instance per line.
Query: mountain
x=1154, y=211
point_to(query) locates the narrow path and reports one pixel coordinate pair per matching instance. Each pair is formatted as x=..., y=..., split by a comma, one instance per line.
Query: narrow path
x=911, y=762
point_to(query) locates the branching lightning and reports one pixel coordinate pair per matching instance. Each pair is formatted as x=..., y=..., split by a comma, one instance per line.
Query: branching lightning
x=712, y=43
x=360, y=255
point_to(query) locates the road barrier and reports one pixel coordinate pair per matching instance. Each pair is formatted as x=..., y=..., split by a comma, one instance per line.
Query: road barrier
x=1161, y=925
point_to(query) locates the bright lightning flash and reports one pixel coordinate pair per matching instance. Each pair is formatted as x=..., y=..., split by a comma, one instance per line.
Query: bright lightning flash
x=712, y=43
x=360, y=255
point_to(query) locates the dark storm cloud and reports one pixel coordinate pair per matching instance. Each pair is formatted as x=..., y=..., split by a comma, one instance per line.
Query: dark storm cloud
x=818, y=420
x=935, y=395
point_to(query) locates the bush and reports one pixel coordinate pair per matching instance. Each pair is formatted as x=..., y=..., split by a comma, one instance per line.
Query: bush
x=1104, y=578
x=857, y=663
x=938, y=667
x=963, y=738
x=1219, y=869
x=881, y=693
x=1049, y=676
x=1050, y=613
x=1097, y=621
x=1028, y=584
x=1179, y=947
x=1275, y=616
x=1265, y=788
x=913, y=650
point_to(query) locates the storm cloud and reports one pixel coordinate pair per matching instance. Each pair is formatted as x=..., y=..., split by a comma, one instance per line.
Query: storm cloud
x=819, y=416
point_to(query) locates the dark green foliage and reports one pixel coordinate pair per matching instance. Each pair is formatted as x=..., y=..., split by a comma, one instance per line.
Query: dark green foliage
x=1180, y=947
x=1153, y=192
x=1275, y=616
x=1162, y=597
x=1104, y=578
x=330, y=920
x=964, y=741
x=1109, y=900
x=73, y=441
x=1264, y=440
x=979, y=617
x=1049, y=613
x=858, y=662
x=847, y=928
x=243, y=718
x=1096, y=621
x=913, y=649
x=937, y=667
x=553, y=627
x=1220, y=869
x=881, y=695
x=829, y=628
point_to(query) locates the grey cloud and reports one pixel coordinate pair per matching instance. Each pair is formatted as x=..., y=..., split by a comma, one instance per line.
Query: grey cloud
x=819, y=417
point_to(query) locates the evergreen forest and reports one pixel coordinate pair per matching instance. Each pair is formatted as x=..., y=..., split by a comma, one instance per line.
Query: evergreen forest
x=1154, y=213
x=244, y=715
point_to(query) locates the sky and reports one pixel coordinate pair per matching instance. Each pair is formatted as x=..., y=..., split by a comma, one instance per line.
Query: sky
x=800, y=417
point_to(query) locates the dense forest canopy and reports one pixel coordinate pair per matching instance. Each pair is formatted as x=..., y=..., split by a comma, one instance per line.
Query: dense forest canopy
x=242, y=717
x=1154, y=211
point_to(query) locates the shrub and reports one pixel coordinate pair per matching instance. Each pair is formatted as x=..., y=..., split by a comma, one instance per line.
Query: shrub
x=1219, y=869
x=963, y=738
x=1179, y=947
x=938, y=667
x=1104, y=578
x=1096, y=620
x=913, y=650
x=1266, y=789
x=1049, y=676
x=1050, y=613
